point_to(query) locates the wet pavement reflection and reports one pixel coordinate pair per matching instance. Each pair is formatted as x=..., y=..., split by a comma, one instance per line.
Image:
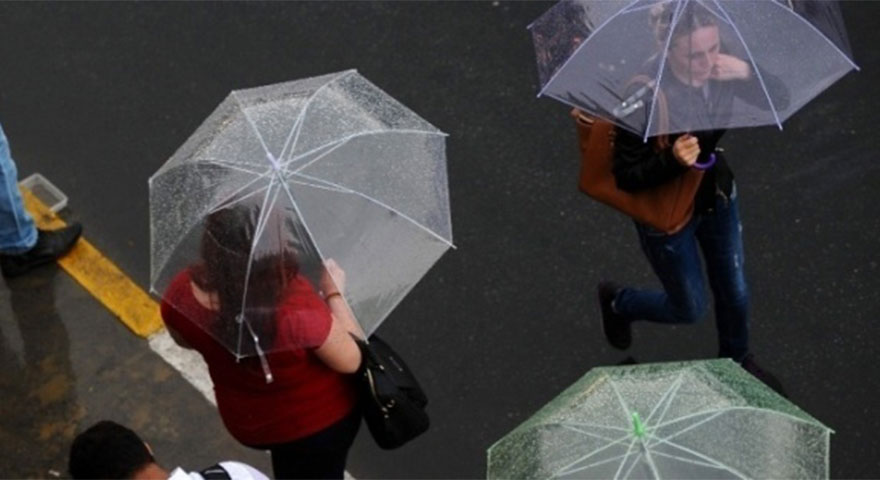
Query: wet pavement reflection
x=67, y=363
x=40, y=404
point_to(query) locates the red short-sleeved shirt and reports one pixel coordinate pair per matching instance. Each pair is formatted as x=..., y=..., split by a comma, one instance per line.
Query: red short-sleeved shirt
x=305, y=397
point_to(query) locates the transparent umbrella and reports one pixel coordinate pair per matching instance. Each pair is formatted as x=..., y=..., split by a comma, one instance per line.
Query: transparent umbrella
x=719, y=63
x=280, y=179
x=702, y=419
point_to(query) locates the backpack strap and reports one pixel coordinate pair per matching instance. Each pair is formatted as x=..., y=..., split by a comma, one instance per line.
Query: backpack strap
x=215, y=472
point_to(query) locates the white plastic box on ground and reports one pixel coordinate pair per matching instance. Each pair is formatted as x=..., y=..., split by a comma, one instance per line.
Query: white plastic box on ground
x=45, y=191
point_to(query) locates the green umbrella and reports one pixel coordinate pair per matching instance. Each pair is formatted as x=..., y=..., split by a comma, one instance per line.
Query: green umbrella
x=701, y=419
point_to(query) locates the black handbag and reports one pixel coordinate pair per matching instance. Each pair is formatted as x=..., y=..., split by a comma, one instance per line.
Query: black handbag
x=392, y=401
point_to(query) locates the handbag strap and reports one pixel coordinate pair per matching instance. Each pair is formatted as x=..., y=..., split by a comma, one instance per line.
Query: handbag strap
x=368, y=356
x=369, y=361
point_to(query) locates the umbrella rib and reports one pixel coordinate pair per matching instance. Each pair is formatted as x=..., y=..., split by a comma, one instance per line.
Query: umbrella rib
x=626, y=412
x=670, y=394
x=593, y=425
x=581, y=46
x=827, y=450
x=302, y=219
x=819, y=32
x=261, y=227
x=736, y=408
x=633, y=466
x=264, y=363
x=196, y=163
x=321, y=187
x=567, y=469
x=651, y=463
x=297, y=127
x=320, y=181
x=685, y=460
x=253, y=126
x=601, y=462
x=229, y=198
x=632, y=9
x=675, y=19
x=584, y=432
x=229, y=201
x=332, y=147
x=594, y=452
x=247, y=275
x=755, y=69
x=695, y=425
x=688, y=417
x=313, y=150
x=226, y=164
x=709, y=459
x=339, y=142
x=623, y=462
x=302, y=113
x=381, y=204
x=305, y=225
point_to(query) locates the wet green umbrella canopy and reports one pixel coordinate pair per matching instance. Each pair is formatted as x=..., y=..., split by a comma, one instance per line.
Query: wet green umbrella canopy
x=701, y=419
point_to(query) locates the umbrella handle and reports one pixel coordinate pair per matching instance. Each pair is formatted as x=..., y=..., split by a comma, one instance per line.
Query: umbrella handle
x=707, y=165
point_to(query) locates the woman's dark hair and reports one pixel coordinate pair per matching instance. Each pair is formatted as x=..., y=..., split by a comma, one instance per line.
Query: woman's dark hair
x=692, y=17
x=227, y=269
x=107, y=450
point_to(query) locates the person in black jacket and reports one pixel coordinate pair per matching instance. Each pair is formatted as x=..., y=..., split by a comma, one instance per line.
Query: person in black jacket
x=699, y=82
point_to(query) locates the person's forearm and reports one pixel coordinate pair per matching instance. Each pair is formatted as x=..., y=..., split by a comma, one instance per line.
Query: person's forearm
x=637, y=166
x=343, y=314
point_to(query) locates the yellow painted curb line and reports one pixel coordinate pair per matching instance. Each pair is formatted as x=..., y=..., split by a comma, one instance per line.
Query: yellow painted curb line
x=97, y=274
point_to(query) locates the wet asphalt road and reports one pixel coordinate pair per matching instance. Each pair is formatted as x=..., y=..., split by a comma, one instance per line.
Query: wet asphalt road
x=96, y=96
x=68, y=363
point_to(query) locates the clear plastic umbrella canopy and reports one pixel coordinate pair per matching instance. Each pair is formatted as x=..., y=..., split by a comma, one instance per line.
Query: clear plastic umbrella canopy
x=700, y=420
x=282, y=178
x=719, y=63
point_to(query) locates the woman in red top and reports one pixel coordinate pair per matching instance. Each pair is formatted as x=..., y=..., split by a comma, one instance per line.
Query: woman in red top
x=305, y=413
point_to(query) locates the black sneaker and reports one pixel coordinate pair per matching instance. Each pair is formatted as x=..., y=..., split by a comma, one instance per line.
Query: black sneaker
x=616, y=328
x=749, y=365
x=50, y=245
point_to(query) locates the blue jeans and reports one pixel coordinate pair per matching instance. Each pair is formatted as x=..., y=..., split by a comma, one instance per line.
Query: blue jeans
x=676, y=262
x=17, y=231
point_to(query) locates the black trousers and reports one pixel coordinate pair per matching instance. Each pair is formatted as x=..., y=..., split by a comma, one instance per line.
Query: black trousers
x=320, y=455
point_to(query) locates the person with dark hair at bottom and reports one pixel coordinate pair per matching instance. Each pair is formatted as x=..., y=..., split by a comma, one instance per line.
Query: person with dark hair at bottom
x=110, y=450
x=23, y=246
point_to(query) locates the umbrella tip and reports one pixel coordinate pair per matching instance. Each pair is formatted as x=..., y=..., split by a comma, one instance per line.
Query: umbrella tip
x=638, y=427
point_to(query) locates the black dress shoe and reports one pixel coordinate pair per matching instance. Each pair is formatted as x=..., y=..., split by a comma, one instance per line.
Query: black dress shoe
x=616, y=328
x=50, y=245
x=766, y=377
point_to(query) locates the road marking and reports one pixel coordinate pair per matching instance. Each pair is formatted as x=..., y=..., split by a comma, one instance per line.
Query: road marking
x=188, y=362
x=119, y=294
x=100, y=277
